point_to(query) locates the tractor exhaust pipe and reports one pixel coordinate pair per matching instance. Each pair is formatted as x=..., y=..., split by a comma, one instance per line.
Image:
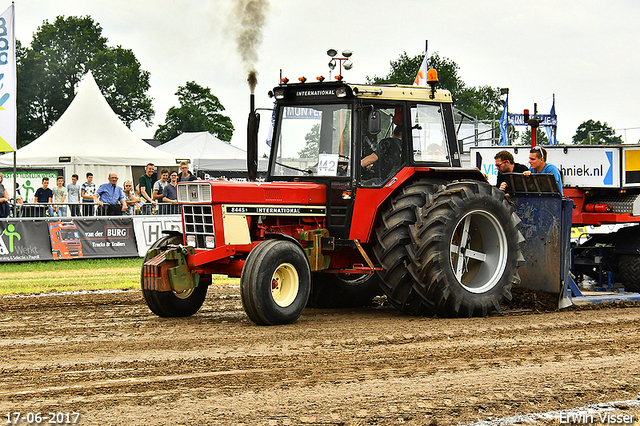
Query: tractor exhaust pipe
x=253, y=125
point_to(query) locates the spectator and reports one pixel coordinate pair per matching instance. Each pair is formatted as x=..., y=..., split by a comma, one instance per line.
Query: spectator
x=170, y=195
x=130, y=197
x=185, y=175
x=45, y=195
x=506, y=164
x=59, y=197
x=158, y=187
x=74, y=195
x=146, y=188
x=19, y=201
x=4, y=200
x=87, y=193
x=538, y=162
x=109, y=195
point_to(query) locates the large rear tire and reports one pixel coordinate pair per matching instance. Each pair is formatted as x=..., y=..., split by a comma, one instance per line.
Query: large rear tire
x=275, y=283
x=171, y=303
x=629, y=270
x=466, y=250
x=393, y=236
x=334, y=291
x=628, y=240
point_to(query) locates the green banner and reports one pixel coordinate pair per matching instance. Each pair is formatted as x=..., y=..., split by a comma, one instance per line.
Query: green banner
x=24, y=241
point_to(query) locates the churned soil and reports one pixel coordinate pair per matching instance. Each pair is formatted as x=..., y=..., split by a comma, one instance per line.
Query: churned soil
x=107, y=357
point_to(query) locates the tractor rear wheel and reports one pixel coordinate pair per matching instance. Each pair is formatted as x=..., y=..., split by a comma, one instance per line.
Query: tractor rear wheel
x=275, y=283
x=466, y=250
x=392, y=238
x=171, y=303
x=332, y=291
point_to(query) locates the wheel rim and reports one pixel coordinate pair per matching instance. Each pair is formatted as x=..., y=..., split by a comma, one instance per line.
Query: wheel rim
x=285, y=285
x=184, y=294
x=478, y=251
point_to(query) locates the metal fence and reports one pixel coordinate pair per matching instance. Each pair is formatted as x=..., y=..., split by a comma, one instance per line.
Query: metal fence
x=89, y=209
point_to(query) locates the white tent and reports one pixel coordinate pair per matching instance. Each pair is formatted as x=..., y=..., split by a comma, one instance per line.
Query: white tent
x=206, y=152
x=192, y=145
x=92, y=136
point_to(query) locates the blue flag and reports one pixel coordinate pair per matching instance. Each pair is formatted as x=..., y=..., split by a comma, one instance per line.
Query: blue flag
x=504, y=131
x=551, y=130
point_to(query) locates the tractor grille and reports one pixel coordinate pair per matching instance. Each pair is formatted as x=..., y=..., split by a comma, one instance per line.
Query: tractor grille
x=194, y=192
x=198, y=223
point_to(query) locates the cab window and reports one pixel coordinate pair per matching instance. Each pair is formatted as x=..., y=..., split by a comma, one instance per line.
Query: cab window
x=314, y=140
x=427, y=133
x=381, y=154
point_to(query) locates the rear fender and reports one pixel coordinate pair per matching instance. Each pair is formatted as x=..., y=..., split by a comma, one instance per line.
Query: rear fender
x=369, y=201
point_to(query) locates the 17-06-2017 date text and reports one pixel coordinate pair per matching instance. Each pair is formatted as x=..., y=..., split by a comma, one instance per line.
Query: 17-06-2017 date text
x=37, y=418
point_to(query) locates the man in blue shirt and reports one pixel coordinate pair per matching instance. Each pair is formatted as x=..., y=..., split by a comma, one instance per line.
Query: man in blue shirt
x=109, y=195
x=538, y=162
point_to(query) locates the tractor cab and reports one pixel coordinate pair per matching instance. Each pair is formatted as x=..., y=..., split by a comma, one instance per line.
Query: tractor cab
x=358, y=136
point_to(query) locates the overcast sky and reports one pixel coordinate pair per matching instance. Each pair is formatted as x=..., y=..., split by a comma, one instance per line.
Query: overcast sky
x=585, y=52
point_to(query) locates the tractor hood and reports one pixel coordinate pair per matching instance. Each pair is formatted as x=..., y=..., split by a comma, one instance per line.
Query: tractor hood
x=279, y=193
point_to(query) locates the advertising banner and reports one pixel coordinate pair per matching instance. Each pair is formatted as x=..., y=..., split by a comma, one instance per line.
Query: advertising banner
x=149, y=229
x=545, y=119
x=24, y=241
x=29, y=181
x=580, y=165
x=113, y=237
x=27, y=240
x=8, y=81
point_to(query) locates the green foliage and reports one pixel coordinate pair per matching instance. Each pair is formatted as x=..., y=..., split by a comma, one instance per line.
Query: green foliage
x=124, y=84
x=77, y=275
x=541, y=137
x=482, y=102
x=312, y=139
x=199, y=111
x=403, y=71
x=50, y=69
x=447, y=69
x=595, y=133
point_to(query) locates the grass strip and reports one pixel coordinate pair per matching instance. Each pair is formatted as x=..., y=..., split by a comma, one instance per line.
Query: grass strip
x=76, y=275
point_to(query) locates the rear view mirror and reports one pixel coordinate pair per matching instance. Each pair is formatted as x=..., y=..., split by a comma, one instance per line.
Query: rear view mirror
x=375, y=122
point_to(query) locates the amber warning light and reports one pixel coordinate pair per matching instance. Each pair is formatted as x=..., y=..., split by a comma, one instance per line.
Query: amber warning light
x=432, y=76
x=432, y=80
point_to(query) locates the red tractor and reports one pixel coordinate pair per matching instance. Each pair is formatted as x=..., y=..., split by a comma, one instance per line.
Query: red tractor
x=364, y=195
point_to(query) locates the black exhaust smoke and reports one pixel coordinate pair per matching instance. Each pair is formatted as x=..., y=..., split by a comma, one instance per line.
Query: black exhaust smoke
x=247, y=24
x=253, y=125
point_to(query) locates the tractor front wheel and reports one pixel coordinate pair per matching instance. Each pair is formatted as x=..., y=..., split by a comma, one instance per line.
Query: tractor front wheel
x=275, y=283
x=172, y=303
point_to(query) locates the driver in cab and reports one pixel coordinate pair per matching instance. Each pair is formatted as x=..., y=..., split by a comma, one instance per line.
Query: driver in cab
x=389, y=149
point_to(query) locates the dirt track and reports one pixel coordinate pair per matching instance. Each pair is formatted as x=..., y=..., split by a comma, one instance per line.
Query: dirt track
x=107, y=357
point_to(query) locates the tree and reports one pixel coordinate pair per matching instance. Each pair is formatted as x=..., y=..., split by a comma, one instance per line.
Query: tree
x=541, y=137
x=312, y=140
x=404, y=70
x=60, y=54
x=482, y=102
x=124, y=84
x=199, y=111
x=595, y=133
